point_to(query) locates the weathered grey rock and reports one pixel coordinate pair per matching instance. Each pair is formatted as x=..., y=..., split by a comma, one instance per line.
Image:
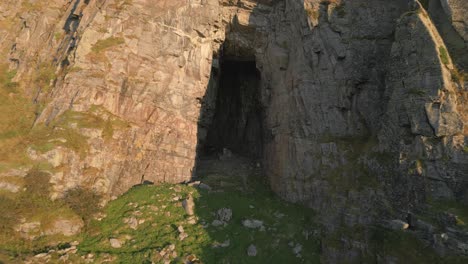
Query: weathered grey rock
x=132, y=222
x=189, y=205
x=252, y=223
x=397, y=224
x=224, y=214
x=217, y=222
x=204, y=186
x=182, y=234
x=10, y=187
x=252, y=251
x=225, y=244
x=29, y=230
x=115, y=243
x=66, y=227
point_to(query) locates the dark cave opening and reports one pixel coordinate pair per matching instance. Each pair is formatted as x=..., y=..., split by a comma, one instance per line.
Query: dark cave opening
x=236, y=120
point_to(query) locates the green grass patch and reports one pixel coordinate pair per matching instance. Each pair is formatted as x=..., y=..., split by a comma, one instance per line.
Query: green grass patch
x=458, y=76
x=402, y=245
x=160, y=227
x=6, y=80
x=31, y=205
x=444, y=57
x=453, y=207
x=416, y=92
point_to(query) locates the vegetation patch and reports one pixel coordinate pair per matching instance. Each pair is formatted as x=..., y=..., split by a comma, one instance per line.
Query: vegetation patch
x=453, y=207
x=44, y=75
x=107, y=43
x=160, y=208
x=416, y=92
x=6, y=80
x=458, y=76
x=31, y=205
x=444, y=57
x=83, y=202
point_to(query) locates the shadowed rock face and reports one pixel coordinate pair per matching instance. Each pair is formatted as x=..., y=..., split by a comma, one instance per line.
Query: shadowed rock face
x=363, y=112
x=237, y=122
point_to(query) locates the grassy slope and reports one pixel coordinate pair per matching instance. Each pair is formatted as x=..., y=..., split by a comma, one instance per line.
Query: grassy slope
x=160, y=227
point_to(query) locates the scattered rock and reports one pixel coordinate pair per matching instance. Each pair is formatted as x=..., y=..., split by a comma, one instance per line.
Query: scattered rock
x=168, y=253
x=224, y=214
x=182, y=234
x=252, y=223
x=115, y=243
x=132, y=222
x=398, y=225
x=191, y=259
x=226, y=243
x=226, y=155
x=153, y=208
x=16, y=173
x=217, y=222
x=252, y=251
x=99, y=216
x=192, y=220
x=9, y=187
x=278, y=215
x=189, y=205
x=66, y=227
x=194, y=183
x=28, y=230
x=177, y=188
x=204, y=186
x=297, y=249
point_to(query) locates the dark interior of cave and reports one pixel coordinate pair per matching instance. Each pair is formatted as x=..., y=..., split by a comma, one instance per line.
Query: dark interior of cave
x=237, y=120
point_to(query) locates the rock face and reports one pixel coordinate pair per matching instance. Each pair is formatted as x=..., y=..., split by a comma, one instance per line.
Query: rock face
x=363, y=104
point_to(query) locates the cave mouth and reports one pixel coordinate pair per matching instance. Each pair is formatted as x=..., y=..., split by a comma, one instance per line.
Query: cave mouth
x=236, y=124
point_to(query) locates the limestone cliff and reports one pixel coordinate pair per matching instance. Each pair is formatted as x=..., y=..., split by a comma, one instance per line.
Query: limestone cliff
x=363, y=103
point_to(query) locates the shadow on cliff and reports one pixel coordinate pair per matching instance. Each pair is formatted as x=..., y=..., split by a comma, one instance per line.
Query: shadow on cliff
x=229, y=153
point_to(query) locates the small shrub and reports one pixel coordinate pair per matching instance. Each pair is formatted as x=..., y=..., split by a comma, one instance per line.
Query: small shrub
x=444, y=57
x=45, y=74
x=6, y=80
x=458, y=76
x=83, y=202
x=37, y=183
x=57, y=36
x=416, y=92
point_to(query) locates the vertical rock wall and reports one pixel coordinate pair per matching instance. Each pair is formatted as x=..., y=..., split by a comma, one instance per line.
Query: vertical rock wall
x=365, y=112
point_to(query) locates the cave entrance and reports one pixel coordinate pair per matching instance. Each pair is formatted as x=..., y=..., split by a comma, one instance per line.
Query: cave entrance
x=236, y=120
x=237, y=123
